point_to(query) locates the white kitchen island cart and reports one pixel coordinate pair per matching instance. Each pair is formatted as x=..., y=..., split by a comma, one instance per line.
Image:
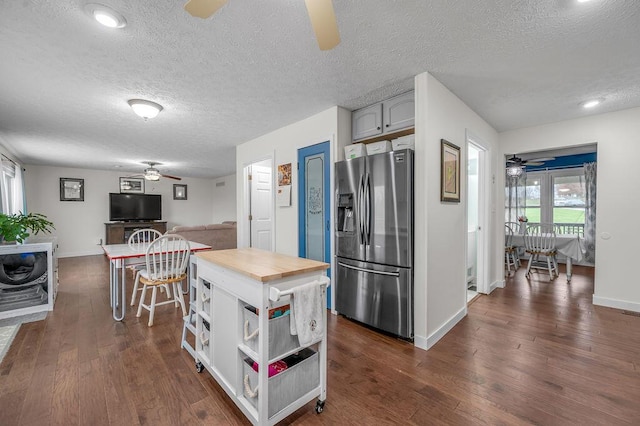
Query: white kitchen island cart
x=242, y=331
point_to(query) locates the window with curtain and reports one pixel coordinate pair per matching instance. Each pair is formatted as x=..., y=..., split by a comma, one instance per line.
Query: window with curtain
x=557, y=196
x=11, y=187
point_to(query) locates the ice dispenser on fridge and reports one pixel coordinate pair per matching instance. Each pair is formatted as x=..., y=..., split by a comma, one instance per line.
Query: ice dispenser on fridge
x=346, y=217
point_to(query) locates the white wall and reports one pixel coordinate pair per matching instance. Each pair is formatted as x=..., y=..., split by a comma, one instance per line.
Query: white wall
x=618, y=137
x=282, y=145
x=80, y=225
x=224, y=199
x=441, y=228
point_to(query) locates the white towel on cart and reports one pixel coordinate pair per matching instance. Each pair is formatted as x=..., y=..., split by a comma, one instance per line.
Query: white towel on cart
x=307, y=319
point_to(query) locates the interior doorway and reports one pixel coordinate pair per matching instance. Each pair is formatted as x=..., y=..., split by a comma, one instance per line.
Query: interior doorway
x=477, y=218
x=314, y=205
x=258, y=217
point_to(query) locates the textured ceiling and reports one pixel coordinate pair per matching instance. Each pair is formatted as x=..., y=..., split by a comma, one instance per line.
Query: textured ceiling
x=255, y=66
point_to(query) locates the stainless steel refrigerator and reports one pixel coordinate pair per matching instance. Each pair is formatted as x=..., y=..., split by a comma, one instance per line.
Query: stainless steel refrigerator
x=374, y=240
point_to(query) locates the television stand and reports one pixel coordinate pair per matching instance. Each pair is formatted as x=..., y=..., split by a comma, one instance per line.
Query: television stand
x=119, y=232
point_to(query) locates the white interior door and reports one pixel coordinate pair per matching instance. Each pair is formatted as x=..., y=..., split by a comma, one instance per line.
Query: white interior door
x=261, y=205
x=478, y=193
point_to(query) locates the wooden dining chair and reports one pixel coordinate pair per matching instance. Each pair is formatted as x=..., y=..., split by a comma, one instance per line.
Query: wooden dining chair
x=166, y=264
x=540, y=241
x=138, y=241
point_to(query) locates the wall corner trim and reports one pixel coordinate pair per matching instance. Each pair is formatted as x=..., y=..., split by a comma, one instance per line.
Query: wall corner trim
x=446, y=327
x=420, y=342
x=496, y=284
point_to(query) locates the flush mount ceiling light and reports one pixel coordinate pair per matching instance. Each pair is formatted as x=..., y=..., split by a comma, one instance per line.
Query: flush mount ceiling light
x=592, y=103
x=145, y=109
x=105, y=15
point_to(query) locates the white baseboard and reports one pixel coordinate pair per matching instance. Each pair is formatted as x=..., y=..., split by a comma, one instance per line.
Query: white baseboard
x=615, y=303
x=92, y=252
x=446, y=327
x=496, y=284
x=420, y=342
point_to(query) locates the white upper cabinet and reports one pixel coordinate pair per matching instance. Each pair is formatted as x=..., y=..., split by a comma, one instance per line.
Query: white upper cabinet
x=367, y=122
x=399, y=112
x=384, y=117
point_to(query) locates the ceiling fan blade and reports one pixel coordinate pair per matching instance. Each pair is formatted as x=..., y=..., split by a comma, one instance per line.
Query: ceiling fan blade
x=203, y=8
x=537, y=160
x=323, y=21
x=533, y=163
x=171, y=177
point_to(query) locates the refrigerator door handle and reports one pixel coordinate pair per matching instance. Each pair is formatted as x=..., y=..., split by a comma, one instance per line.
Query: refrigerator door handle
x=393, y=274
x=360, y=208
x=367, y=200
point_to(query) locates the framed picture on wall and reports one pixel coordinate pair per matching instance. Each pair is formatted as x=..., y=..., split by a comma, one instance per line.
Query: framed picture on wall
x=71, y=189
x=132, y=185
x=179, y=192
x=449, y=172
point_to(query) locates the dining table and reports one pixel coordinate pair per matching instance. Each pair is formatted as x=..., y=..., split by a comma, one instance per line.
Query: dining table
x=122, y=255
x=570, y=245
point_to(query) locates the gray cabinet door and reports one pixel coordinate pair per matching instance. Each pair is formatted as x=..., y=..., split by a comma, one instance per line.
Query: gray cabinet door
x=399, y=112
x=367, y=122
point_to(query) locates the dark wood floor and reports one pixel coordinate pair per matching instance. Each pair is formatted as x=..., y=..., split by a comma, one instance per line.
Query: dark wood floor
x=532, y=353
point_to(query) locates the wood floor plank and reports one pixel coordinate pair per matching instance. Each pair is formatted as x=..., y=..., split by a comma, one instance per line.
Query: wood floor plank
x=65, y=405
x=93, y=407
x=37, y=400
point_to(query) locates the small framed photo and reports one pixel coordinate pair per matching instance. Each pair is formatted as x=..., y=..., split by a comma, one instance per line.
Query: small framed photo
x=132, y=185
x=71, y=189
x=179, y=192
x=450, y=172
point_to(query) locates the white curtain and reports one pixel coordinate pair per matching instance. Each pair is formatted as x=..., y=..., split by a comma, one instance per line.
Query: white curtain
x=19, y=201
x=590, y=176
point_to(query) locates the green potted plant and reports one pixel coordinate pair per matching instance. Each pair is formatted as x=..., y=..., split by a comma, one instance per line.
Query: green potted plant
x=16, y=227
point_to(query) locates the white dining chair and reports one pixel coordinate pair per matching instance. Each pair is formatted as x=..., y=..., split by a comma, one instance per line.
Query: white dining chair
x=540, y=241
x=166, y=262
x=510, y=251
x=138, y=241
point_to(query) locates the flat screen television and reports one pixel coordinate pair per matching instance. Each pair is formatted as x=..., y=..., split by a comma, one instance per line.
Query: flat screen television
x=135, y=207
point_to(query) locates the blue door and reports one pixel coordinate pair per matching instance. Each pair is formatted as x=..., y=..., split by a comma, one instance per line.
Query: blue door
x=314, y=211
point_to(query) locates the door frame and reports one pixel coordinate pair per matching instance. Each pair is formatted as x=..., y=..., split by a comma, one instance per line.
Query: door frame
x=484, y=215
x=323, y=148
x=244, y=230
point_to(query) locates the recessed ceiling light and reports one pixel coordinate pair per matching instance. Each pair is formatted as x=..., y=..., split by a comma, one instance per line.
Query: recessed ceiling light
x=591, y=103
x=145, y=109
x=105, y=15
x=583, y=1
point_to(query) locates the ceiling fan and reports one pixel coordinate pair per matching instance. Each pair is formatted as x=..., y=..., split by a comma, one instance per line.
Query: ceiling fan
x=516, y=165
x=321, y=14
x=151, y=173
x=517, y=161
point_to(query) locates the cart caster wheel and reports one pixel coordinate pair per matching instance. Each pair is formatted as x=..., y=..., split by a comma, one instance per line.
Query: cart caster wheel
x=319, y=407
x=199, y=367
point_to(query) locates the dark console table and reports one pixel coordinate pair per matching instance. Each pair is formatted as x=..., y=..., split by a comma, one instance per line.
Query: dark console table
x=119, y=232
